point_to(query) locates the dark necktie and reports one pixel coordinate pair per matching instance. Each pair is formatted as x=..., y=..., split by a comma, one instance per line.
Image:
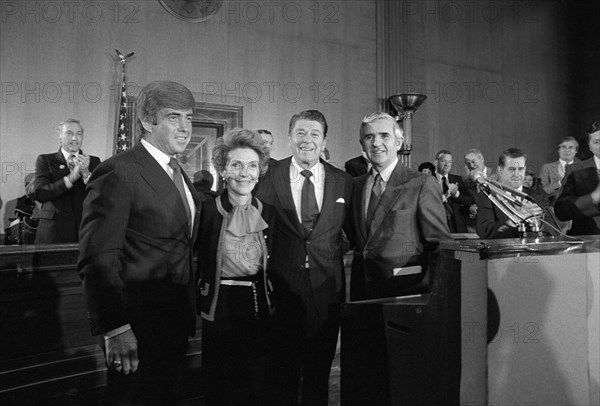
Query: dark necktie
x=178, y=179
x=374, y=199
x=309, y=209
x=445, y=185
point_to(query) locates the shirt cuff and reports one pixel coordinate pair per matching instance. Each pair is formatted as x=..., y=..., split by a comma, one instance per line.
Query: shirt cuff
x=119, y=330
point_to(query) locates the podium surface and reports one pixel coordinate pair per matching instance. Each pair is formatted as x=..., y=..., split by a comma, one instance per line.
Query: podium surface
x=544, y=301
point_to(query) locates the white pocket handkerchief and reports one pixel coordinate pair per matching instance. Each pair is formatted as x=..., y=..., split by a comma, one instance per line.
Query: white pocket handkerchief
x=340, y=200
x=409, y=270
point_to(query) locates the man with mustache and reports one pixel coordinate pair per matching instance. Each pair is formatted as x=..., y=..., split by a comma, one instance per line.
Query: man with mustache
x=397, y=218
x=59, y=186
x=306, y=267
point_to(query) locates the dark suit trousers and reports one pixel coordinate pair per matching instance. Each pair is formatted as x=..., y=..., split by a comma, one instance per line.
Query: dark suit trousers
x=302, y=350
x=162, y=335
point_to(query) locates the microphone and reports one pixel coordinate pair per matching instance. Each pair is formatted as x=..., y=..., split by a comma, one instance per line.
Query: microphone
x=492, y=188
x=484, y=181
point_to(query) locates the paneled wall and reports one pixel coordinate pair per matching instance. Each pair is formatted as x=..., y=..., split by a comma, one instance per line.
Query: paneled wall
x=494, y=73
x=274, y=58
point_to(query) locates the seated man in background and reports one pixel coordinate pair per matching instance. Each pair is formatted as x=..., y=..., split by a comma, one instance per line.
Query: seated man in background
x=579, y=199
x=60, y=180
x=552, y=173
x=491, y=221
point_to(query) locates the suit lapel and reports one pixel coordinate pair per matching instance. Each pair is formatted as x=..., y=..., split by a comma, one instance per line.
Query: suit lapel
x=359, y=202
x=283, y=189
x=392, y=190
x=196, y=199
x=333, y=188
x=158, y=179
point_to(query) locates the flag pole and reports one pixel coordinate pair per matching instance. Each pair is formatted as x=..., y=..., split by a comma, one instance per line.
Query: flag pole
x=123, y=137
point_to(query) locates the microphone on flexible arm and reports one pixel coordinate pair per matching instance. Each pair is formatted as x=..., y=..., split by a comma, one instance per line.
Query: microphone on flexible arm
x=491, y=187
x=483, y=181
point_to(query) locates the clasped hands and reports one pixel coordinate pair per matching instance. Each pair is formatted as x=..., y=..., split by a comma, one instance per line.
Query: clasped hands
x=81, y=165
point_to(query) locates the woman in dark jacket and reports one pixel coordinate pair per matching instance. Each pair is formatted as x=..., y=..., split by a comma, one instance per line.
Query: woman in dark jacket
x=234, y=291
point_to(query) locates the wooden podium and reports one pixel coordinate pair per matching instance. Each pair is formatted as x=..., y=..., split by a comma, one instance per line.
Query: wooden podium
x=528, y=315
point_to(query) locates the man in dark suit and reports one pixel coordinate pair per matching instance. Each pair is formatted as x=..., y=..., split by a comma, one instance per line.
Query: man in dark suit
x=306, y=266
x=492, y=222
x=59, y=186
x=455, y=203
x=579, y=199
x=397, y=218
x=139, y=222
x=552, y=173
x=357, y=166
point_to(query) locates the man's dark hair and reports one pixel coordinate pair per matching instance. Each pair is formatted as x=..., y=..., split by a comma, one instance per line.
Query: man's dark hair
x=162, y=94
x=313, y=115
x=510, y=153
x=594, y=127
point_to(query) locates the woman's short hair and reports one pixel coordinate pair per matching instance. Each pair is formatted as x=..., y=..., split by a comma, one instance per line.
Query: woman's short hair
x=234, y=139
x=427, y=165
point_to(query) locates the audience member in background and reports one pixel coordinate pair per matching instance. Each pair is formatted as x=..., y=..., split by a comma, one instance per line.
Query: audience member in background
x=427, y=167
x=234, y=295
x=533, y=187
x=579, y=199
x=475, y=166
x=552, y=173
x=203, y=181
x=325, y=155
x=358, y=166
x=139, y=223
x=268, y=140
x=396, y=221
x=23, y=227
x=491, y=221
x=307, y=263
x=60, y=180
x=451, y=196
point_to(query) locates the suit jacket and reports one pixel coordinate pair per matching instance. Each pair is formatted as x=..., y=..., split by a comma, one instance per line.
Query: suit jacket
x=136, y=245
x=550, y=179
x=407, y=226
x=575, y=202
x=357, y=166
x=490, y=219
x=458, y=206
x=291, y=244
x=60, y=213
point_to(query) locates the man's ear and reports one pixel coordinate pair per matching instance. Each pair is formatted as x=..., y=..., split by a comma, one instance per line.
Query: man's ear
x=147, y=124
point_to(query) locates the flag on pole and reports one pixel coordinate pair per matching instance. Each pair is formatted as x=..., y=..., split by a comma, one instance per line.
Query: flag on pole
x=123, y=135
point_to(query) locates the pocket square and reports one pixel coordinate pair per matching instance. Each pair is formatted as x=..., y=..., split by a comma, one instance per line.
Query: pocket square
x=408, y=270
x=340, y=200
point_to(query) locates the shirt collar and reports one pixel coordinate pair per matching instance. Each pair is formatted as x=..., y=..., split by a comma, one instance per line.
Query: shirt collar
x=316, y=169
x=156, y=153
x=386, y=173
x=67, y=154
x=564, y=163
x=597, y=161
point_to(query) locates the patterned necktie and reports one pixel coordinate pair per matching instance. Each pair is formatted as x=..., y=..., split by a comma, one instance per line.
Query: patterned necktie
x=374, y=199
x=309, y=210
x=178, y=179
x=71, y=161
